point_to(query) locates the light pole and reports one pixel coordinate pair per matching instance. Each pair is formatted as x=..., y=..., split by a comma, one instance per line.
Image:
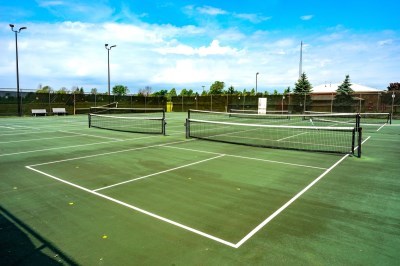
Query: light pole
x=256, y=81
x=393, y=96
x=16, y=56
x=108, y=63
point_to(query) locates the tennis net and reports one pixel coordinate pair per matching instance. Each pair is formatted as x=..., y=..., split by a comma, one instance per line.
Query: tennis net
x=252, y=111
x=322, y=120
x=309, y=138
x=138, y=120
x=365, y=118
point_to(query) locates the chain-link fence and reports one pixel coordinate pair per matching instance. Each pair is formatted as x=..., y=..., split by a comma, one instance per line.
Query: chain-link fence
x=80, y=103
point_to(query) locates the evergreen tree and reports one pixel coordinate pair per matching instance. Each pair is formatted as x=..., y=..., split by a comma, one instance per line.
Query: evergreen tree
x=343, y=101
x=302, y=90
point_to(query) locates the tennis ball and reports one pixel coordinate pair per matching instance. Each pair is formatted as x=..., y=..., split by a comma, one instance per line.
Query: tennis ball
x=71, y=203
x=104, y=237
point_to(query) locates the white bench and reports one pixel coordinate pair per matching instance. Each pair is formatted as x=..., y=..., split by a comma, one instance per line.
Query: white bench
x=59, y=111
x=36, y=112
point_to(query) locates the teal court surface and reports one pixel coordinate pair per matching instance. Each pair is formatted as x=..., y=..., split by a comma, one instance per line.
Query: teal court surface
x=75, y=195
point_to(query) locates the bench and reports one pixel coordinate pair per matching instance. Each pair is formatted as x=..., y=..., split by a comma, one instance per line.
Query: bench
x=36, y=112
x=59, y=111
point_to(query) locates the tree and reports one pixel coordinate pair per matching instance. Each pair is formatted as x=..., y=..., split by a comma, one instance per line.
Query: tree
x=343, y=101
x=245, y=93
x=63, y=90
x=183, y=92
x=160, y=93
x=45, y=89
x=93, y=91
x=217, y=87
x=286, y=91
x=145, y=92
x=302, y=91
x=120, y=90
x=172, y=92
x=77, y=90
x=394, y=86
x=253, y=92
x=231, y=90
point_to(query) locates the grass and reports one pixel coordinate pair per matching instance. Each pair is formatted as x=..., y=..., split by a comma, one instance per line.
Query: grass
x=74, y=195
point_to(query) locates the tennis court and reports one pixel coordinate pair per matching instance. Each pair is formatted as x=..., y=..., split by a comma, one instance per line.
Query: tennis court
x=72, y=194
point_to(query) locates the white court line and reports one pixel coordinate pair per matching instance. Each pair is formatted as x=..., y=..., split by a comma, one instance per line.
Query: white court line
x=27, y=133
x=287, y=204
x=88, y=135
x=137, y=209
x=7, y=127
x=24, y=140
x=277, y=212
x=108, y=153
x=292, y=136
x=75, y=146
x=249, y=158
x=158, y=173
x=381, y=127
x=56, y=148
x=238, y=244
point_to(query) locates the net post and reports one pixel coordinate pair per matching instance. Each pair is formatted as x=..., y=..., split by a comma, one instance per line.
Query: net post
x=353, y=140
x=187, y=128
x=358, y=120
x=90, y=120
x=164, y=123
x=359, y=141
x=390, y=118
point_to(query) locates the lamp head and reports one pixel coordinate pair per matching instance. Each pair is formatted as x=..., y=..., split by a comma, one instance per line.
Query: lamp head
x=106, y=45
x=22, y=28
x=12, y=26
x=112, y=46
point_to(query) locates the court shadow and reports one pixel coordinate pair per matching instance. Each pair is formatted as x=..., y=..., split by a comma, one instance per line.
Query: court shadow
x=21, y=245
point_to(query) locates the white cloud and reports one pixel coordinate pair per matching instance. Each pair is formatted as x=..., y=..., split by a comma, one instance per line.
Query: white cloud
x=164, y=56
x=307, y=17
x=212, y=11
x=50, y=3
x=253, y=18
x=212, y=50
x=385, y=42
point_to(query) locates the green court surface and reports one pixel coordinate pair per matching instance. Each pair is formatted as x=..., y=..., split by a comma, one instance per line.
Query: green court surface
x=75, y=195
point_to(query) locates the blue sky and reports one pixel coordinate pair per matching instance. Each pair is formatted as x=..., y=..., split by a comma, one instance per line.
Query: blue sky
x=190, y=44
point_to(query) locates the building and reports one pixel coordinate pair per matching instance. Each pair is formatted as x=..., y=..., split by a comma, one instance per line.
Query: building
x=365, y=98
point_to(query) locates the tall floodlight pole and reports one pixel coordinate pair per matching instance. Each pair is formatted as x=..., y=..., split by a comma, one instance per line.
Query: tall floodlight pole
x=301, y=59
x=256, y=81
x=108, y=64
x=16, y=56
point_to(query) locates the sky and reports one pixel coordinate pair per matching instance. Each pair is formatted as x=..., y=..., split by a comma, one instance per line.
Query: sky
x=189, y=44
